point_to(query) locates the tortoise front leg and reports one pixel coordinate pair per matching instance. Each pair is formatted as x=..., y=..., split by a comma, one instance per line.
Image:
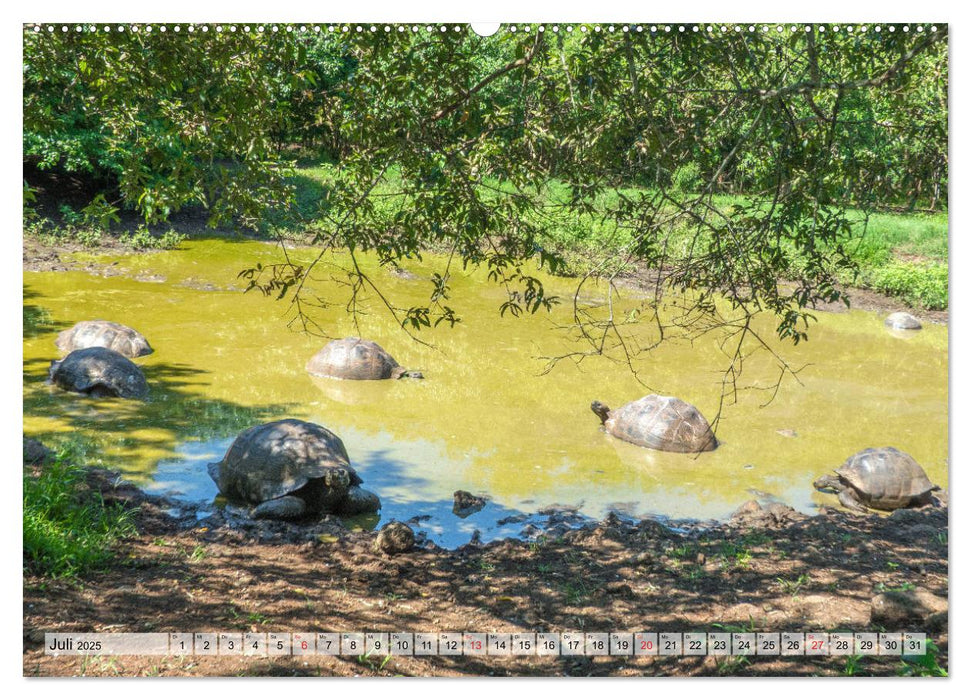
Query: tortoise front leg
x=283, y=508
x=849, y=500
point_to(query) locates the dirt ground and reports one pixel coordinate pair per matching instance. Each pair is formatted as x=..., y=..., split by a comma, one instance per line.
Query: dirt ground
x=767, y=570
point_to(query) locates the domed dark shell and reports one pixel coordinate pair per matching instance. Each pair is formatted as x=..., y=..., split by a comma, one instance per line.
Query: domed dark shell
x=279, y=458
x=99, y=372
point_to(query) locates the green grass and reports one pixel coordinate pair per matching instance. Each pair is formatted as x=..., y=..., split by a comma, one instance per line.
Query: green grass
x=926, y=665
x=67, y=530
x=900, y=255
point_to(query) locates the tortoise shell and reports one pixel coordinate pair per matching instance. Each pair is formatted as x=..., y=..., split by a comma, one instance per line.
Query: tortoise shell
x=103, y=334
x=662, y=423
x=902, y=321
x=99, y=372
x=885, y=478
x=279, y=458
x=353, y=358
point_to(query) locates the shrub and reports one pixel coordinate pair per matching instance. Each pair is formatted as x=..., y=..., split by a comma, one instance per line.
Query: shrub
x=919, y=284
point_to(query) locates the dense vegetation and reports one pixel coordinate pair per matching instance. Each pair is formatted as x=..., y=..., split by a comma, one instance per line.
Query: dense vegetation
x=725, y=160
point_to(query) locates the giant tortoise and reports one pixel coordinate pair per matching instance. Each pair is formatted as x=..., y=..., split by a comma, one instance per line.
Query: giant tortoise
x=291, y=469
x=99, y=372
x=659, y=422
x=353, y=358
x=103, y=334
x=883, y=478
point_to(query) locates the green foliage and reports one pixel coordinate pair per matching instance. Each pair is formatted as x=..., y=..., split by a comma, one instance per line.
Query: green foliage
x=143, y=239
x=99, y=213
x=853, y=666
x=925, y=665
x=69, y=216
x=169, y=120
x=919, y=284
x=757, y=156
x=687, y=178
x=67, y=530
x=793, y=586
x=29, y=199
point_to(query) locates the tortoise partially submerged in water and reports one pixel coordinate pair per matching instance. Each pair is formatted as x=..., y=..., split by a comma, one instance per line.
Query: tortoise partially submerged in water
x=353, y=358
x=902, y=321
x=291, y=469
x=99, y=372
x=659, y=422
x=884, y=478
x=103, y=334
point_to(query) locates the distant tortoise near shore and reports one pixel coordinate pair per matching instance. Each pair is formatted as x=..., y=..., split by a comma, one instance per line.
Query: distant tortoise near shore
x=883, y=478
x=902, y=321
x=353, y=358
x=659, y=422
x=99, y=372
x=290, y=470
x=103, y=334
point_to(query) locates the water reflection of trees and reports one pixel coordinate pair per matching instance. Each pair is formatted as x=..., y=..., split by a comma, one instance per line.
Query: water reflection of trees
x=177, y=410
x=37, y=319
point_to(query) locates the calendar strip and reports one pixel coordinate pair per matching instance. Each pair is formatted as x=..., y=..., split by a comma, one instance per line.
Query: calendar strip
x=381, y=644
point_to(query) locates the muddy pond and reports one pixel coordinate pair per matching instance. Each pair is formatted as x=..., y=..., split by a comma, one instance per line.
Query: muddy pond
x=485, y=419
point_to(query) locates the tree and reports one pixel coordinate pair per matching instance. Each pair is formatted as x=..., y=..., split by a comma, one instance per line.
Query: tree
x=487, y=158
x=169, y=120
x=487, y=147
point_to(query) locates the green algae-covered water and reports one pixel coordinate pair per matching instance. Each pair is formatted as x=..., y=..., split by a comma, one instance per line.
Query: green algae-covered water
x=486, y=419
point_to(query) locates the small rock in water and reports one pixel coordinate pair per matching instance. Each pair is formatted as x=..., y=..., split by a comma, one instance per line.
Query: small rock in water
x=465, y=503
x=902, y=321
x=395, y=538
x=752, y=514
x=402, y=273
x=518, y=518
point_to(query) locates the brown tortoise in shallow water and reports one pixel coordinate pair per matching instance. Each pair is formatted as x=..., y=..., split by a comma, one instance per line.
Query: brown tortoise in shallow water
x=660, y=422
x=883, y=478
x=290, y=469
x=99, y=372
x=353, y=358
x=103, y=334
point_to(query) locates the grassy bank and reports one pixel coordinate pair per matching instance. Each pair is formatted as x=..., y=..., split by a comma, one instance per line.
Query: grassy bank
x=902, y=255
x=68, y=529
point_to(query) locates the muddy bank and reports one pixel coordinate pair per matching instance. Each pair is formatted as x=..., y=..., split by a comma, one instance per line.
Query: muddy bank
x=40, y=256
x=766, y=570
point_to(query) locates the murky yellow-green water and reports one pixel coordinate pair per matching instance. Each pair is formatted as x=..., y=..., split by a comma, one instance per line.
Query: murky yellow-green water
x=485, y=419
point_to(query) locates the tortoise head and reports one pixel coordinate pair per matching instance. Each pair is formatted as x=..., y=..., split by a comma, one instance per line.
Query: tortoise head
x=338, y=479
x=601, y=409
x=830, y=482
